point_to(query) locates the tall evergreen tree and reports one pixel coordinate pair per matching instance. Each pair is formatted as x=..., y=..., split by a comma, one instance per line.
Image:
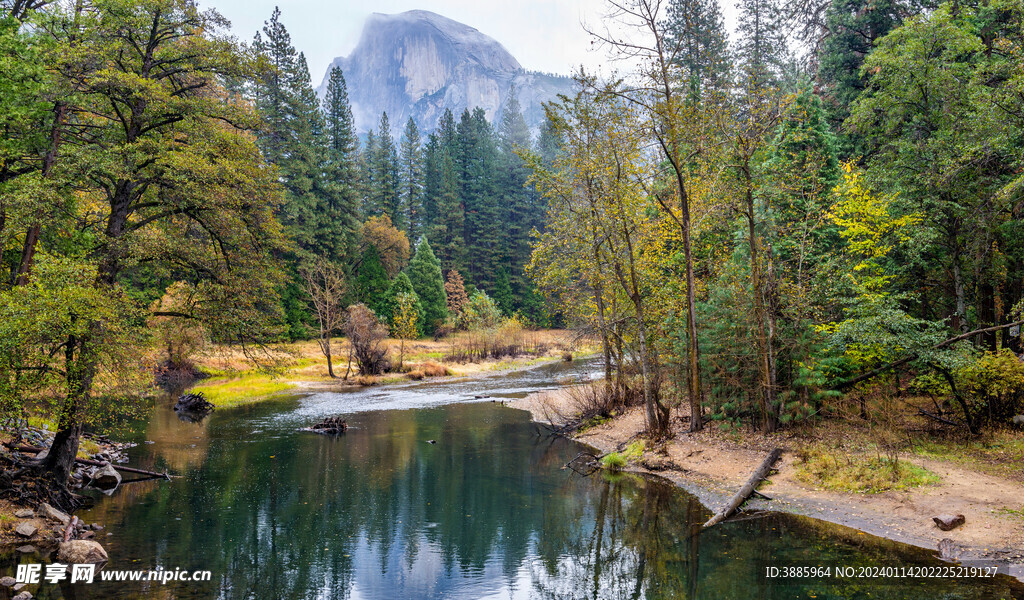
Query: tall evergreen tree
x=443, y=184
x=761, y=52
x=520, y=205
x=425, y=275
x=342, y=164
x=411, y=176
x=293, y=138
x=368, y=179
x=371, y=280
x=385, y=198
x=697, y=29
x=477, y=163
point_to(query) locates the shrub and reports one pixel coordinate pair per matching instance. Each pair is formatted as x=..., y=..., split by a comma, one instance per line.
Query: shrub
x=614, y=461
x=994, y=387
x=481, y=313
x=365, y=334
x=432, y=369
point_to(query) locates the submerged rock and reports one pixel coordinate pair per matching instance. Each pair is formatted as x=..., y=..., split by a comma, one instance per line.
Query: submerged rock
x=949, y=550
x=81, y=551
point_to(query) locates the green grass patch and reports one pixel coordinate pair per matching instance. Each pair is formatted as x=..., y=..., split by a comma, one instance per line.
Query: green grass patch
x=634, y=450
x=593, y=422
x=243, y=389
x=1012, y=512
x=836, y=471
x=613, y=461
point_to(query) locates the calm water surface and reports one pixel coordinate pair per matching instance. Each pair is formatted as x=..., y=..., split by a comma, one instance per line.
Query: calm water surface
x=485, y=512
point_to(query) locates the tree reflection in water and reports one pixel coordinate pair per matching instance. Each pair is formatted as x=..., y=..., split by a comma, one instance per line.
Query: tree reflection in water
x=486, y=511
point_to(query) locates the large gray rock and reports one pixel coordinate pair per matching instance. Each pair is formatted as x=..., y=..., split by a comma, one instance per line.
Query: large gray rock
x=81, y=551
x=7, y=581
x=48, y=512
x=417, y=64
x=949, y=522
x=105, y=478
x=26, y=530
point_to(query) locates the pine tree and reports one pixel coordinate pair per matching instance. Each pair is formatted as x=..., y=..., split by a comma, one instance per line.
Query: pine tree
x=697, y=29
x=371, y=280
x=455, y=291
x=550, y=140
x=411, y=176
x=401, y=285
x=520, y=204
x=477, y=163
x=342, y=165
x=368, y=179
x=425, y=275
x=503, y=296
x=293, y=139
x=761, y=52
x=855, y=26
x=443, y=183
x=384, y=194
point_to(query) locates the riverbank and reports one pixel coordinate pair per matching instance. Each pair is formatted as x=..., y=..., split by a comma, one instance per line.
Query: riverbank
x=300, y=367
x=712, y=465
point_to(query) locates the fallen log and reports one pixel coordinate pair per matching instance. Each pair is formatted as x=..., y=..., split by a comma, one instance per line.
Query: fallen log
x=747, y=490
x=92, y=463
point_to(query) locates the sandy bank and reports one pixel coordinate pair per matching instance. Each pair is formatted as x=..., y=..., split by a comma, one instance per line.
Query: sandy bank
x=713, y=467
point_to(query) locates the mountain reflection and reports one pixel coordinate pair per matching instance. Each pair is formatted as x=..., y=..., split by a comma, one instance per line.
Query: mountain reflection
x=485, y=512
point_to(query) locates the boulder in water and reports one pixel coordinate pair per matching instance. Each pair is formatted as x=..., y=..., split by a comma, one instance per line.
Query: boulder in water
x=105, y=478
x=81, y=551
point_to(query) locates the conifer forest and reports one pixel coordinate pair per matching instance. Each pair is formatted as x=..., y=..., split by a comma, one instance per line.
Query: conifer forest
x=813, y=217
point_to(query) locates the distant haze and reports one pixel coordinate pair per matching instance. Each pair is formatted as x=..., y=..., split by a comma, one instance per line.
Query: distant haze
x=544, y=35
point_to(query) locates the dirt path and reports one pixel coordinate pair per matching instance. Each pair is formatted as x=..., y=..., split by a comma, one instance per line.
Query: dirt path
x=712, y=469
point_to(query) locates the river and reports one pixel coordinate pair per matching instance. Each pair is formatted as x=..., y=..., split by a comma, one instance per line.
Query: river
x=483, y=512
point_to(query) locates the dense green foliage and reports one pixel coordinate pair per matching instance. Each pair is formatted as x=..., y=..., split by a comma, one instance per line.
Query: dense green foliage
x=842, y=229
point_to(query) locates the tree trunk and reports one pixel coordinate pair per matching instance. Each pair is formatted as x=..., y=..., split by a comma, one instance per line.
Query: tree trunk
x=327, y=353
x=764, y=350
x=747, y=490
x=28, y=251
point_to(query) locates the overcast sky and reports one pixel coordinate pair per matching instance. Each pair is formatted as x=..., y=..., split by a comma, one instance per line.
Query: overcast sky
x=544, y=35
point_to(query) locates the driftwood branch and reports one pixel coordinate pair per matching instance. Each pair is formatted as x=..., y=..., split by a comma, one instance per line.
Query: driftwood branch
x=747, y=490
x=92, y=463
x=912, y=357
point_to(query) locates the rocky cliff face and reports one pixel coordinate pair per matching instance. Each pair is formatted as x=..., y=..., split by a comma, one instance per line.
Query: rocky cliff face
x=418, y=63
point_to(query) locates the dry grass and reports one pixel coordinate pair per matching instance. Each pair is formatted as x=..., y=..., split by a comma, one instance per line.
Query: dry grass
x=841, y=471
x=236, y=380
